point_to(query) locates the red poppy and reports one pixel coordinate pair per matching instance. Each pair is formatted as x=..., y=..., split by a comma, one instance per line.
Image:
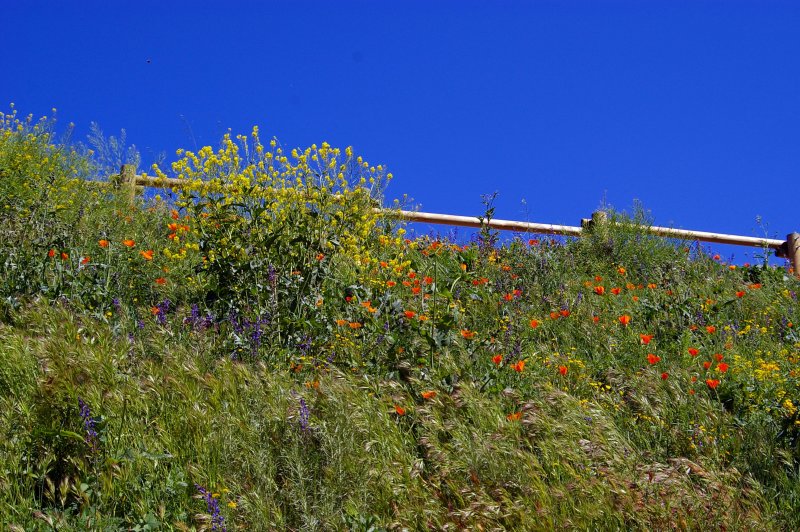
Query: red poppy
x=596, y=319
x=534, y=324
x=409, y=314
x=533, y=242
x=562, y=370
x=430, y=394
x=161, y=281
x=51, y=253
x=722, y=367
x=693, y=351
x=653, y=359
x=740, y=293
x=497, y=359
x=719, y=357
x=706, y=364
x=399, y=410
x=616, y=291
x=664, y=376
x=64, y=255
x=514, y=416
x=519, y=367
x=712, y=383
x=624, y=319
x=467, y=334
x=85, y=260
x=102, y=243
x=599, y=290
x=564, y=313
x=645, y=338
x=428, y=280
x=711, y=329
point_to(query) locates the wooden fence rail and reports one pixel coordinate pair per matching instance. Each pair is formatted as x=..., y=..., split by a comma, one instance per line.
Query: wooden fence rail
x=788, y=249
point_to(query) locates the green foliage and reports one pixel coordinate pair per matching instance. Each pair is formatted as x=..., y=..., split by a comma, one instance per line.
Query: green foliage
x=271, y=340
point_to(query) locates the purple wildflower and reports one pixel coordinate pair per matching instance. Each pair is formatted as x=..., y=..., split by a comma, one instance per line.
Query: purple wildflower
x=304, y=415
x=89, y=424
x=212, y=507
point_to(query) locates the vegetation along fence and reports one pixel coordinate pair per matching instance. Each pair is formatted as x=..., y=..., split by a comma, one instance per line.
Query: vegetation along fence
x=788, y=249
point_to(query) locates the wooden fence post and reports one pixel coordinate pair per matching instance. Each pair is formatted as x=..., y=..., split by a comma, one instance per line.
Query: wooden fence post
x=793, y=251
x=127, y=178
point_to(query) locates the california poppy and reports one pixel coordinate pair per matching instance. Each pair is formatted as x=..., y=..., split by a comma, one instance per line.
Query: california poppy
x=51, y=253
x=564, y=313
x=497, y=359
x=562, y=370
x=599, y=290
x=467, y=334
x=341, y=322
x=693, y=351
x=664, y=376
x=102, y=243
x=645, y=338
x=519, y=367
x=653, y=359
x=616, y=291
x=722, y=367
x=712, y=383
x=624, y=319
x=430, y=394
x=64, y=255
x=706, y=364
x=161, y=281
x=409, y=314
x=534, y=324
x=515, y=416
x=399, y=410
x=740, y=293
x=355, y=325
x=85, y=260
x=147, y=255
x=128, y=243
x=711, y=329
x=391, y=284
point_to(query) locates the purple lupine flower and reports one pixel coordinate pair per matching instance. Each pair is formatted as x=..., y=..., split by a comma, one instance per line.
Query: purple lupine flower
x=163, y=308
x=212, y=507
x=89, y=424
x=271, y=275
x=303, y=415
x=116, y=304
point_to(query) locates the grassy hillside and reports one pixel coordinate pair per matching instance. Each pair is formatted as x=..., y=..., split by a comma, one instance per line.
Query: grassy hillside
x=264, y=352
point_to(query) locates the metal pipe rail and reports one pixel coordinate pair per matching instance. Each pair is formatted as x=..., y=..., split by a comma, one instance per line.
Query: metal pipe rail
x=789, y=249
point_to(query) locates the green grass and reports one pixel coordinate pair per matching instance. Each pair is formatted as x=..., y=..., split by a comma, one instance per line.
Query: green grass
x=306, y=389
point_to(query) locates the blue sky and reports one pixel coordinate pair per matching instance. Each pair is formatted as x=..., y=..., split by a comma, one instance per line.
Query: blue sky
x=693, y=108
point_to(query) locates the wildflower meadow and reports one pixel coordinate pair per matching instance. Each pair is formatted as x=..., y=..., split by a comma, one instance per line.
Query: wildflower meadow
x=264, y=350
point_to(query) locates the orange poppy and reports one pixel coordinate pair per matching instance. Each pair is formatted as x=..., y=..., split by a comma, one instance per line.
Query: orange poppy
x=624, y=319
x=85, y=260
x=147, y=255
x=693, y=351
x=497, y=359
x=64, y=256
x=466, y=333
x=341, y=322
x=399, y=410
x=430, y=394
x=534, y=324
x=616, y=291
x=51, y=253
x=711, y=329
x=664, y=376
x=409, y=314
x=562, y=370
x=161, y=281
x=519, y=367
x=102, y=243
x=415, y=290
x=174, y=214
x=154, y=310
x=128, y=243
x=706, y=364
x=740, y=293
x=599, y=290
x=515, y=416
x=645, y=338
x=564, y=313
x=355, y=325
x=428, y=280
x=653, y=359
x=391, y=284
x=722, y=367
x=712, y=383
x=621, y=270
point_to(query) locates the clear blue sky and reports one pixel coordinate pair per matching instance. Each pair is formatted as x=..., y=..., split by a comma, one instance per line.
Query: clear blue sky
x=691, y=107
